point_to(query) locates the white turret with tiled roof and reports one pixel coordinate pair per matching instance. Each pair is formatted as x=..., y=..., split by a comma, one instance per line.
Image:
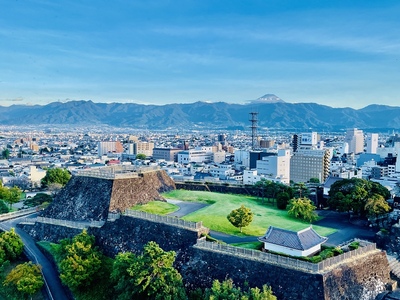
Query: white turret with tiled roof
x=302, y=243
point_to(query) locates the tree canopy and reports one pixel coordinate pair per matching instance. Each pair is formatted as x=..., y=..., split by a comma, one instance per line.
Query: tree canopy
x=141, y=156
x=352, y=194
x=56, y=175
x=240, y=217
x=38, y=199
x=80, y=261
x=11, y=246
x=25, y=278
x=10, y=195
x=227, y=290
x=376, y=205
x=303, y=209
x=150, y=275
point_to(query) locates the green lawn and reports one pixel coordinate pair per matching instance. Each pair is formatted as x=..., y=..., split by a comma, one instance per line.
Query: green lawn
x=157, y=207
x=214, y=215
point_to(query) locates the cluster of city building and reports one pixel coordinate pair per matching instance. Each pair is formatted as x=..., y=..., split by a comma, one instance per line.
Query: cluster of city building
x=230, y=157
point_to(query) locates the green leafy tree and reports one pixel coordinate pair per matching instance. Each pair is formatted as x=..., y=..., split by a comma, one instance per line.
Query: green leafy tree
x=5, y=153
x=150, y=275
x=141, y=156
x=314, y=180
x=11, y=246
x=282, y=200
x=26, y=278
x=38, y=199
x=3, y=207
x=10, y=195
x=376, y=205
x=80, y=261
x=353, y=194
x=56, y=175
x=300, y=190
x=227, y=290
x=240, y=217
x=303, y=209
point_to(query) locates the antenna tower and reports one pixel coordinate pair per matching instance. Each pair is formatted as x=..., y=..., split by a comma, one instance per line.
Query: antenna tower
x=253, y=120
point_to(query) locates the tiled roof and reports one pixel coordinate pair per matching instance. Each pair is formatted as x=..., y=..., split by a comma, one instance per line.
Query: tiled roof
x=301, y=240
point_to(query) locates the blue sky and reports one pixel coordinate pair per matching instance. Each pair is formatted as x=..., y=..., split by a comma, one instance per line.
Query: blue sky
x=337, y=53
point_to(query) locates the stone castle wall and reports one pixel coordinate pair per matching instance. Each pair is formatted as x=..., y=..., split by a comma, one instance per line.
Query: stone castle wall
x=91, y=198
x=361, y=278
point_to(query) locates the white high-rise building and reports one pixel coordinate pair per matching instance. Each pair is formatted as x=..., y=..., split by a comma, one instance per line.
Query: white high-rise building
x=355, y=139
x=276, y=165
x=372, y=143
x=306, y=164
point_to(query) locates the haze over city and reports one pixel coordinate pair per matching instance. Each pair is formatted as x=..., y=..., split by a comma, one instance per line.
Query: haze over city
x=333, y=53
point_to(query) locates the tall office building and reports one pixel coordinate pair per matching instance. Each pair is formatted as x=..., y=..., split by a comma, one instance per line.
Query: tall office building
x=276, y=165
x=306, y=164
x=355, y=139
x=109, y=147
x=372, y=143
x=295, y=142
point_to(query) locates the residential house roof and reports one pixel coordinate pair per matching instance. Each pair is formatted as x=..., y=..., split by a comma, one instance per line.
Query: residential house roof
x=301, y=240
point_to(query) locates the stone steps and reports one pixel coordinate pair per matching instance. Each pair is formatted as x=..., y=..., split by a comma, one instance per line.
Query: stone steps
x=394, y=266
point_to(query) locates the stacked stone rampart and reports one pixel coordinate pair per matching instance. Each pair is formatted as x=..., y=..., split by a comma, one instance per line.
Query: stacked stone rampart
x=91, y=198
x=358, y=278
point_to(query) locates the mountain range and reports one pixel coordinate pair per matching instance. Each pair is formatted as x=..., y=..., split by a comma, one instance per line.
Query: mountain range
x=272, y=111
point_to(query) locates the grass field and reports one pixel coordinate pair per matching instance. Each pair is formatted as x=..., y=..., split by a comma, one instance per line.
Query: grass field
x=214, y=215
x=157, y=207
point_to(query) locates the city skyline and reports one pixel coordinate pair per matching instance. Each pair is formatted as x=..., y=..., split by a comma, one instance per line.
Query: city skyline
x=159, y=52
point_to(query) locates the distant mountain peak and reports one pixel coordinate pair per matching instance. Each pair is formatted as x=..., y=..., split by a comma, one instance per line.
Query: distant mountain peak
x=268, y=98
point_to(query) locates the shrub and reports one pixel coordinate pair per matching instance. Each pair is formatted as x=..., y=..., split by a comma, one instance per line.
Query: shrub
x=354, y=245
x=326, y=253
x=337, y=251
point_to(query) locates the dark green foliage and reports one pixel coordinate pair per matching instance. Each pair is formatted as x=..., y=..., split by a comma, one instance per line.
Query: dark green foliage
x=38, y=199
x=314, y=180
x=354, y=245
x=282, y=200
x=56, y=175
x=10, y=195
x=269, y=190
x=352, y=194
x=150, y=275
x=5, y=153
x=227, y=290
x=3, y=207
x=141, y=156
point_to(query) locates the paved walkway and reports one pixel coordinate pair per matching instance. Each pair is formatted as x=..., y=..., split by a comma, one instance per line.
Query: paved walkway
x=345, y=229
x=185, y=207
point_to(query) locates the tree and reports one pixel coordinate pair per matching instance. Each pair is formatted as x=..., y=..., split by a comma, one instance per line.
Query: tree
x=38, y=199
x=11, y=246
x=282, y=200
x=150, y=275
x=56, y=175
x=376, y=205
x=314, y=180
x=80, y=261
x=241, y=217
x=227, y=290
x=353, y=194
x=54, y=188
x=300, y=190
x=303, y=209
x=141, y=156
x=3, y=207
x=26, y=278
x=10, y=195
x=5, y=153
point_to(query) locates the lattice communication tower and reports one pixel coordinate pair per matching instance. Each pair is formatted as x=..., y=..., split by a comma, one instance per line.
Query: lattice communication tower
x=254, y=121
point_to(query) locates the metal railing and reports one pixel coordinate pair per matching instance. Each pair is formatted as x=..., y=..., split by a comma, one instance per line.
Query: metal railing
x=15, y=214
x=116, y=172
x=284, y=261
x=68, y=223
x=164, y=219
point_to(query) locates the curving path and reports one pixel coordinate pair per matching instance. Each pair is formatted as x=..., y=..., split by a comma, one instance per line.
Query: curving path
x=54, y=288
x=345, y=230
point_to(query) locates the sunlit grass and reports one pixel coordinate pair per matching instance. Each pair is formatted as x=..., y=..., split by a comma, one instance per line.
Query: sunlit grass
x=214, y=215
x=157, y=207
